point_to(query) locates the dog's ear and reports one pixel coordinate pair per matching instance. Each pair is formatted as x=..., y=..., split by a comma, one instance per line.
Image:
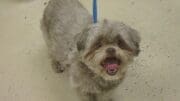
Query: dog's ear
x=81, y=39
x=134, y=40
x=131, y=38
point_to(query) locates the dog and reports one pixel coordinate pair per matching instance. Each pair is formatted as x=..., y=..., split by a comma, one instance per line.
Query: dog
x=95, y=55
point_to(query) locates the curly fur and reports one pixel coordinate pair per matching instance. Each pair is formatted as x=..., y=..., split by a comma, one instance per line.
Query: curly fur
x=74, y=41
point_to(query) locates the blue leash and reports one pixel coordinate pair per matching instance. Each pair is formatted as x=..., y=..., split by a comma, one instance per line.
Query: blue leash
x=95, y=11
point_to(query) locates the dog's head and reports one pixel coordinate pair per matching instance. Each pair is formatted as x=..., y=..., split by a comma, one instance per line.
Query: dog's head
x=107, y=47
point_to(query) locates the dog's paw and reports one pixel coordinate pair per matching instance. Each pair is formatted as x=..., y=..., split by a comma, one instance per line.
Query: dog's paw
x=58, y=67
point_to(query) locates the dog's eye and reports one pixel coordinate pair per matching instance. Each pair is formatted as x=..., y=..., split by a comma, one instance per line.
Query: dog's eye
x=99, y=45
x=123, y=45
x=120, y=44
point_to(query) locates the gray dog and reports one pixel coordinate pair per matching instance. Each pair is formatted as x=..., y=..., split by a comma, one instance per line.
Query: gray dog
x=97, y=54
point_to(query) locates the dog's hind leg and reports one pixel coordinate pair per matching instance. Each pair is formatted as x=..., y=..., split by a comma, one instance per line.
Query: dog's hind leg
x=57, y=66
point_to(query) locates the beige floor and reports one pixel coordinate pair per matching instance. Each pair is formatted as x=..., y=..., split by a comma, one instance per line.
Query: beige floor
x=25, y=73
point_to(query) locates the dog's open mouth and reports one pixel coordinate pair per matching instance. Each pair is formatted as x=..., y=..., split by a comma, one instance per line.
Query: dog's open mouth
x=111, y=65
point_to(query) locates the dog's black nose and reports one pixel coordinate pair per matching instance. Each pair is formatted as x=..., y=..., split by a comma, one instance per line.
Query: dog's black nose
x=110, y=50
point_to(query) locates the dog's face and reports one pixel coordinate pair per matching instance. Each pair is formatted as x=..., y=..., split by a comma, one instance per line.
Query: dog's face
x=106, y=48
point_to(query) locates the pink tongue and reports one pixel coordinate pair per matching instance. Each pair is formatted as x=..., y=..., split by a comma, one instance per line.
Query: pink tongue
x=111, y=66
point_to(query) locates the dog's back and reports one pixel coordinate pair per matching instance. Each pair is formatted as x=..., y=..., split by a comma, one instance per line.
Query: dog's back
x=62, y=20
